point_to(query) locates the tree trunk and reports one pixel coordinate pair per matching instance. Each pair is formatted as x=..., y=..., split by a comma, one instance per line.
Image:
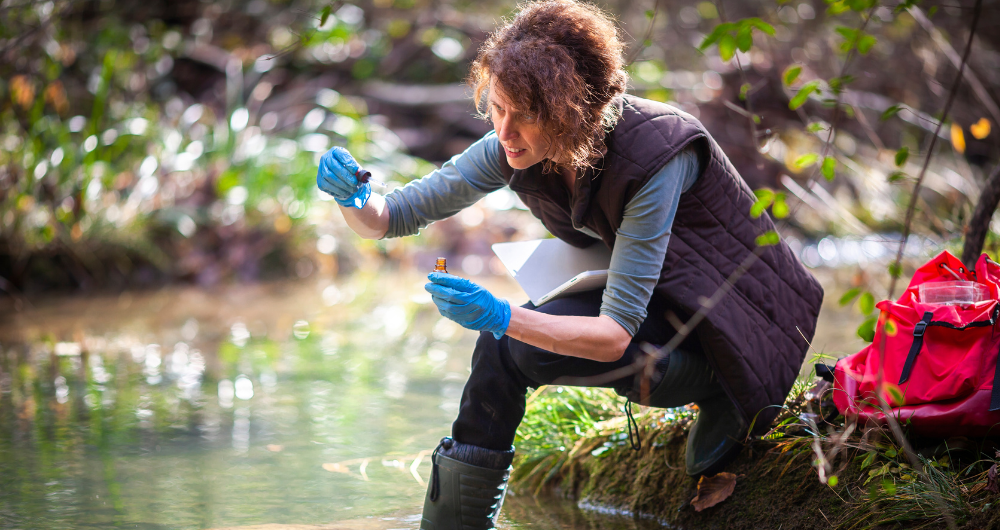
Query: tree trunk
x=979, y=224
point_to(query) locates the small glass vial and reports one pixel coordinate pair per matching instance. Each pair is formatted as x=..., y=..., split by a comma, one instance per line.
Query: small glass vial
x=441, y=265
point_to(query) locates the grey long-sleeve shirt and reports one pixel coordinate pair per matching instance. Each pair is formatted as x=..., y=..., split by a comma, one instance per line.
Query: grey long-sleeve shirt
x=642, y=239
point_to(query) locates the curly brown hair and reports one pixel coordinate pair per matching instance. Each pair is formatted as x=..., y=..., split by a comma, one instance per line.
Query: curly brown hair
x=562, y=61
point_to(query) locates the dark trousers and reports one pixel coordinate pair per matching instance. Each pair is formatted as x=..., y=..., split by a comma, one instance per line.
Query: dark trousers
x=493, y=401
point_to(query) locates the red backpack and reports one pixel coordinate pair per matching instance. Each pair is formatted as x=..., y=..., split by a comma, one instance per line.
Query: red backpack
x=939, y=362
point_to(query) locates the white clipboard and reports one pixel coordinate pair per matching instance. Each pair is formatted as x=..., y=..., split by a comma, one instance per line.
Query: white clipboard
x=547, y=269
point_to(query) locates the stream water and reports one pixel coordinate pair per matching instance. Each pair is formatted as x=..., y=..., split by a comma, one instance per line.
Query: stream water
x=307, y=403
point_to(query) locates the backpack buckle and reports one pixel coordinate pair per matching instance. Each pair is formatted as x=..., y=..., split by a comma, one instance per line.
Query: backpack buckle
x=918, y=330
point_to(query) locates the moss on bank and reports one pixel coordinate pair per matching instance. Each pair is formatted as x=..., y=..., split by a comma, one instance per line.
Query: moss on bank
x=777, y=484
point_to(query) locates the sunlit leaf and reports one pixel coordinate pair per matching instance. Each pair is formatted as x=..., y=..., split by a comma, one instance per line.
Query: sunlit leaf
x=744, y=91
x=867, y=329
x=744, y=40
x=780, y=208
x=833, y=480
x=849, y=296
x=767, y=239
x=890, y=327
x=865, y=44
x=761, y=25
x=829, y=167
x=890, y=112
x=895, y=397
x=816, y=127
x=727, y=47
x=866, y=303
x=716, y=34
x=805, y=160
x=980, y=129
x=324, y=16
x=902, y=155
x=713, y=490
x=957, y=138
x=791, y=74
x=868, y=460
x=803, y=94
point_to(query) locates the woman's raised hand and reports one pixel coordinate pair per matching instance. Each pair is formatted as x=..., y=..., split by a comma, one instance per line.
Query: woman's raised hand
x=337, y=176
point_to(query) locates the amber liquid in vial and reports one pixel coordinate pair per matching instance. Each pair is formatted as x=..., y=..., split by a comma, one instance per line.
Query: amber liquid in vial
x=441, y=265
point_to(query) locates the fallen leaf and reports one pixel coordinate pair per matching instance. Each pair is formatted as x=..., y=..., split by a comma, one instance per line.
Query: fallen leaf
x=980, y=129
x=336, y=468
x=991, y=480
x=275, y=448
x=713, y=490
x=957, y=138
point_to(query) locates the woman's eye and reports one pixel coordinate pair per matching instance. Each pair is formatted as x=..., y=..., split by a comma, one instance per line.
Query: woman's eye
x=528, y=118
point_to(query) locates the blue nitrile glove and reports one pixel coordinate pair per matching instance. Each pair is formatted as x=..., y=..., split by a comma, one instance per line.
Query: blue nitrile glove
x=468, y=304
x=336, y=176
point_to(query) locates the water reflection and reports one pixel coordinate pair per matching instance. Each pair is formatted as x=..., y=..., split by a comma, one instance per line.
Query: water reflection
x=193, y=409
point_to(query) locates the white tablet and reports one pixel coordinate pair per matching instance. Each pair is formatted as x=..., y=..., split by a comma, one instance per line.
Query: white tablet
x=549, y=268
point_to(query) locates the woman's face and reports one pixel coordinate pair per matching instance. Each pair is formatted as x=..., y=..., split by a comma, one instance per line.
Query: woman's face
x=520, y=134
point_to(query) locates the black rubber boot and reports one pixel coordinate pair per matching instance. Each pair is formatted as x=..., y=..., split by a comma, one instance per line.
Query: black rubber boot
x=718, y=433
x=467, y=487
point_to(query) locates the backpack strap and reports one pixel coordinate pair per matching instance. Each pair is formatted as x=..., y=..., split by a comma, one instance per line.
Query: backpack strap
x=995, y=397
x=918, y=343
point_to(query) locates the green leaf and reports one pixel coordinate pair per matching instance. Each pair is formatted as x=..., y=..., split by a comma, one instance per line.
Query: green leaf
x=833, y=480
x=868, y=460
x=816, y=127
x=849, y=296
x=744, y=90
x=765, y=197
x=896, y=397
x=791, y=74
x=764, y=193
x=761, y=25
x=769, y=238
x=932, y=11
x=324, y=16
x=780, y=208
x=866, y=303
x=837, y=8
x=650, y=13
x=889, y=486
x=805, y=160
x=902, y=155
x=896, y=176
x=846, y=32
x=867, y=329
x=891, y=453
x=716, y=34
x=890, y=112
x=865, y=44
x=744, y=40
x=803, y=94
x=727, y=47
x=829, y=167
x=895, y=269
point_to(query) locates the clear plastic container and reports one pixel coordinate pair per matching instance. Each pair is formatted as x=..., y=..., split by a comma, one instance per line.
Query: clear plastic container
x=959, y=292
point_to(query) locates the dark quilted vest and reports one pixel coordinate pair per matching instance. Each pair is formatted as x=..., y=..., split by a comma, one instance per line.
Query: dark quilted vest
x=756, y=337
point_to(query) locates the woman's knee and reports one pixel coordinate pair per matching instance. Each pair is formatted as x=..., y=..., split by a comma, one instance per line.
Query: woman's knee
x=525, y=357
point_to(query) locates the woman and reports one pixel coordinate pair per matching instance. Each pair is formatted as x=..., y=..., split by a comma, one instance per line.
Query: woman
x=597, y=166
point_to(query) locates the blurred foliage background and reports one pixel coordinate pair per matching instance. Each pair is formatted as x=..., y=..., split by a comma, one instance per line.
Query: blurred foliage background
x=148, y=142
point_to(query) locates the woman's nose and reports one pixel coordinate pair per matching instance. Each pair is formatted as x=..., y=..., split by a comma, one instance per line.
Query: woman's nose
x=506, y=130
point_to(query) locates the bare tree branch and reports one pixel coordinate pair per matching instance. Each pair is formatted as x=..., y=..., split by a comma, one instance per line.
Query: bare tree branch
x=930, y=151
